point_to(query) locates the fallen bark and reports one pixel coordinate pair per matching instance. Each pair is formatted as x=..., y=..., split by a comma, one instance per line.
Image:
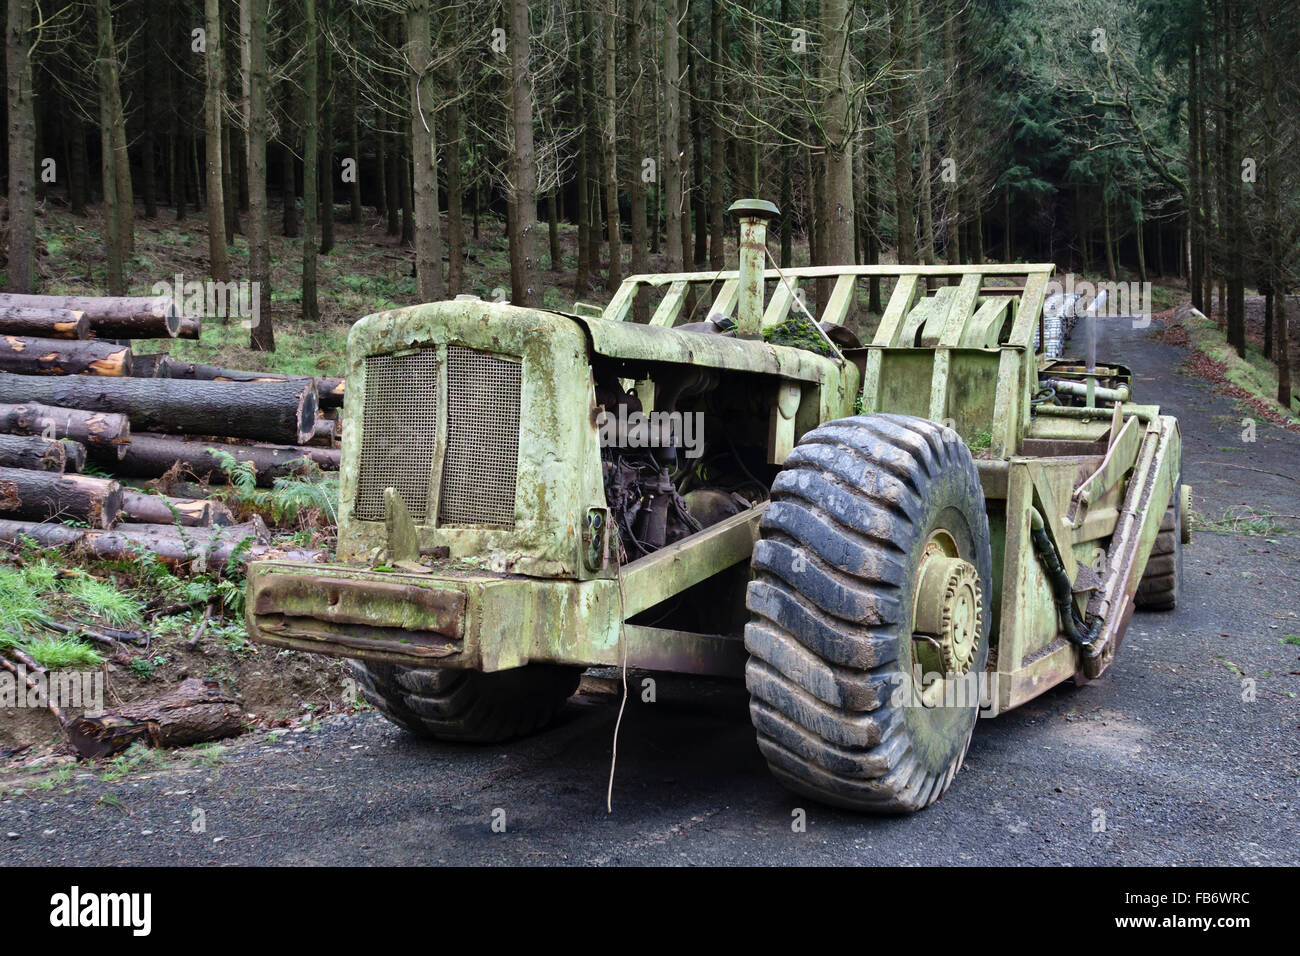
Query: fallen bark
x=192, y=712
x=41, y=496
x=40, y=454
x=283, y=412
x=87, y=428
x=28, y=355
x=49, y=323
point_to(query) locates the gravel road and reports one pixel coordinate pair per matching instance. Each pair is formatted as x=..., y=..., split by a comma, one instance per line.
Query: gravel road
x=1165, y=750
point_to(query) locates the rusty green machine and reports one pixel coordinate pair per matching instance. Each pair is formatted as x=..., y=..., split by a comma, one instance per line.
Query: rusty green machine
x=885, y=538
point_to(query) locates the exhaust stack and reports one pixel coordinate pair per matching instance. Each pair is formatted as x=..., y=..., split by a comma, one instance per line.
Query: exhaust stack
x=753, y=214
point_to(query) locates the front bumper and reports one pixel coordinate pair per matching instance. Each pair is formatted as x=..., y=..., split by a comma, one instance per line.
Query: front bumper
x=450, y=617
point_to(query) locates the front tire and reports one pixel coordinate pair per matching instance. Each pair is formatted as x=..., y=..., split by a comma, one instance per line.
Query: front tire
x=467, y=706
x=876, y=527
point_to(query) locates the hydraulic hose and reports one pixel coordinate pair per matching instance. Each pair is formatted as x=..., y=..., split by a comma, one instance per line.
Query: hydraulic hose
x=1072, y=623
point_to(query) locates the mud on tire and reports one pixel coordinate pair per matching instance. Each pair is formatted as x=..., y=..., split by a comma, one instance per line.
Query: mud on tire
x=467, y=706
x=831, y=607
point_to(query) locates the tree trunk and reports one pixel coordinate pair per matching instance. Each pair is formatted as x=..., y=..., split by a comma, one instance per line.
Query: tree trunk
x=900, y=31
x=141, y=508
x=150, y=456
x=636, y=184
x=717, y=147
x=40, y=454
x=329, y=172
x=927, y=205
x=212, y=548
x=113, y=242
x=329, y=391
x=43, y=496
x=22, y=150
x=381, y=164
x=49, y=323
x=672, y=162
x=951, y=134
x=288, y=188
x=408, y=202
x=452, y=151
x=524, y=284
x=193, y=712
x=78, y=169
x=1195, y=229
x=837, y=197
x=424, y=123
x=394, y=188
x=610, y=22
x=1106, y=236
x=266, y=411
x=214, y=73
x=110, y=317
x=253, y=17
x=310, y=149
x=228, y=187
x=582, y=108
x=108, y=430
x=693, y=98
x=27, y=355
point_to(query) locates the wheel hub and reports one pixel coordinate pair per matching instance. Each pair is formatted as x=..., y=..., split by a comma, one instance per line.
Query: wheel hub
x=949, y=610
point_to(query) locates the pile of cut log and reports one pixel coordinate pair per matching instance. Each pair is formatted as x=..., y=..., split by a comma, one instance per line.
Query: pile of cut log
x=72, y=389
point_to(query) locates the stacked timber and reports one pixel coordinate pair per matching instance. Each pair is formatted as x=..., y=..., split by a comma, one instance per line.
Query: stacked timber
x=71, y=387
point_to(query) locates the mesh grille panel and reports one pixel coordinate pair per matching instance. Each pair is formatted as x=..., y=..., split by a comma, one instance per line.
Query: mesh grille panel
x=482, y=458
x=400, y=430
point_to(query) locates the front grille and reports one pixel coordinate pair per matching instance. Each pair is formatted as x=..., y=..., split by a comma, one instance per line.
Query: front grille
x=482, y=457
x=400, y=432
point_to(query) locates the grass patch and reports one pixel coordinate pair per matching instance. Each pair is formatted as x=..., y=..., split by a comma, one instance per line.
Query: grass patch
x=1245, y=521
x=1253, y=374
x=62, y=653
x=106, y=602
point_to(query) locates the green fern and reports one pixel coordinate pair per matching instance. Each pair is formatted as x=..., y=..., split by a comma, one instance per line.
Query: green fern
x=291, y=496
x=242, y=475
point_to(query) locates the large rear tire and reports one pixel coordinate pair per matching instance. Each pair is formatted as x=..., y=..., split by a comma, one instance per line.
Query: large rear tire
x=467, y=706
x=1163, y=577
x=873, y=569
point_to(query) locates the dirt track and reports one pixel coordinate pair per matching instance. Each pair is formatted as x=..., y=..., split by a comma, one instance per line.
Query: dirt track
x=1182, y=768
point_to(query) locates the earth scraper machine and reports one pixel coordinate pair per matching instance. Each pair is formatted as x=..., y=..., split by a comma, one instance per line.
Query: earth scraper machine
x=885, y=538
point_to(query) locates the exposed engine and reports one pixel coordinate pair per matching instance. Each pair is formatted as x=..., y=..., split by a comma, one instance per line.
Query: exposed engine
x=664, y=480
